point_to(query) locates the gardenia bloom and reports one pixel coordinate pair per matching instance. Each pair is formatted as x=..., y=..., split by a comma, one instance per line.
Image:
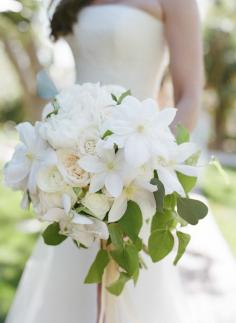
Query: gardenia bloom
x=140, y=128
x=138, y=191
x=21, y=171
x=107, y=169
x=78, y=108
x=83, y=229
x=174, y=161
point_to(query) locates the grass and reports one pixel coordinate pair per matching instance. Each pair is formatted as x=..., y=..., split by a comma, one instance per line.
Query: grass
x=16, y=246
x=222, y=199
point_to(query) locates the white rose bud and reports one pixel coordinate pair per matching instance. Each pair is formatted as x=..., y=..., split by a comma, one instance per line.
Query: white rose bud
x=69, y=167
x=98, y=204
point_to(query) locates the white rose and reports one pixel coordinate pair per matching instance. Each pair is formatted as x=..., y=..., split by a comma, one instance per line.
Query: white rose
x=88, y=141
x=69, y=168
x=50, y=180
x=98, y=204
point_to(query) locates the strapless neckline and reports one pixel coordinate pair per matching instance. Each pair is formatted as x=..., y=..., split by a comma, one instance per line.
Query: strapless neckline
x=126, y=7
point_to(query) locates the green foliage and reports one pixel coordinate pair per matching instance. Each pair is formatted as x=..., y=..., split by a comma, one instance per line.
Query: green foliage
x=191, y=210
x=117, y=287
x=160, y=244
x=187, y=182
x=182, y=134
x=159, y=194
x=97, y=269
x=52, y=236
x=183, y=239
x=132, y=220
x=127, y=258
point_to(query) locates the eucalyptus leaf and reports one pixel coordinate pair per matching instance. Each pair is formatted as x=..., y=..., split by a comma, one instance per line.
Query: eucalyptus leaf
x=160, y=244
x=97, y=269
x=183, y=240
x=182, y=134
x=117, y=287
x=191, y=210
x=52, y=236
x=132, y=221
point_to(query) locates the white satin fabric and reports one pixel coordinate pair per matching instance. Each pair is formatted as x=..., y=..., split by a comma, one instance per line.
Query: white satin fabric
x=122, y=45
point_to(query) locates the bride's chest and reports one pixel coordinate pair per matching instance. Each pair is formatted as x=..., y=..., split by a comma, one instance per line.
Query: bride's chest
x=118, y=29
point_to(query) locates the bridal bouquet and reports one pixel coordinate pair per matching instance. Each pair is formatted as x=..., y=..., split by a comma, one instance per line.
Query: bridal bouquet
x=104, y=167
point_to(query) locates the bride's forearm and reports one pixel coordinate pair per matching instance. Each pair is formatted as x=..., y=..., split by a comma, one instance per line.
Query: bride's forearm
x=187, y=113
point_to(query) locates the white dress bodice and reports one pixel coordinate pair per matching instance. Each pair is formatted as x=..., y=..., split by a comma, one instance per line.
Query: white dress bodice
x=119, y=44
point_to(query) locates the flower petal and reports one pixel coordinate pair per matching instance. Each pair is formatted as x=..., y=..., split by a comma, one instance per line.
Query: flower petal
x=118, y=209
x=91, y=164
x=170, y=181
x=184, y=151
x=137, y=150
x=166, y=117
x=187, y=170
x=146, y=202
x=114, y=184
x=97, y=183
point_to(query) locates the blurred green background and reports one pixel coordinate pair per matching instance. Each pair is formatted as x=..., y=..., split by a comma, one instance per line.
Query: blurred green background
x=24, y=50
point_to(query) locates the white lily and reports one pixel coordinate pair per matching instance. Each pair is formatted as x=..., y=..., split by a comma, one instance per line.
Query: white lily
x=138, y=191
x=107, y=169
x=21, y=171
x=174, y=161
x=140, y=128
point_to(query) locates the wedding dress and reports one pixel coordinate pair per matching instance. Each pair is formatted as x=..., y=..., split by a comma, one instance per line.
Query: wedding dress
x=112, y=44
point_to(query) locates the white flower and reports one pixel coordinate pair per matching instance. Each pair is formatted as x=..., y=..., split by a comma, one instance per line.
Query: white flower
x=80, y=107
x=138, y=191
x=53, y=206
x=140, y=128
x=174, y=160
x=50, y=180
x=21, y=171
x=88, y=141
x=98, y=204
x=68, y=165
x=84, y=229
x=108, y=168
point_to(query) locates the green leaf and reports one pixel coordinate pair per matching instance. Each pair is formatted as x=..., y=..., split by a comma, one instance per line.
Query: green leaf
x=191, y=210
x=127, y=258
x=132, y=221
x=159, y=194
x=123, y=95
x=188, y=182
x=116, y=235
x=163, y=221
x=56, y=108
x=114, y=97
x=117, y=287
x=107, y=134
x=183, y=239
x=52, y=236
x=97, y=269
x=160, y=244
x=170, y=201
x=182, y=135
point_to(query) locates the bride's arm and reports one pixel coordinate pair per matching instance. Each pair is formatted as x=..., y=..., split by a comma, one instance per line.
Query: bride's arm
x=183, y=34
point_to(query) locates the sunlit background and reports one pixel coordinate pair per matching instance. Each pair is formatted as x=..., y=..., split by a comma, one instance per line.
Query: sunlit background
x=25, y=49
